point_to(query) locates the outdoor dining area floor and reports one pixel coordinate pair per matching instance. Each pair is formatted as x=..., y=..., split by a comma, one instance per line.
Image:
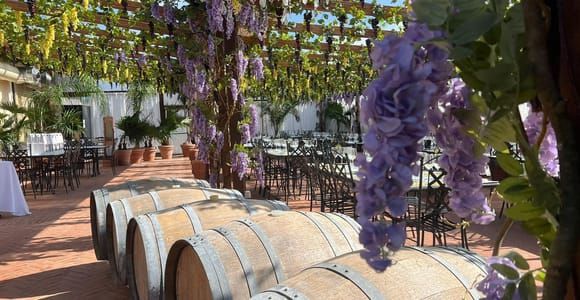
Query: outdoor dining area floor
x=49, y=254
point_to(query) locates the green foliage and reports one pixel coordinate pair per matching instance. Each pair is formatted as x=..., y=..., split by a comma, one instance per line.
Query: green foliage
x=335, y=112
x=10, y=126
x=278, y=112
x=137, y=93
x=134, y=129
x=69, y=124
x=167, y=126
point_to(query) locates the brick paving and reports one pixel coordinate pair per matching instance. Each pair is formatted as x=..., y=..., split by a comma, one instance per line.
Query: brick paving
x=49, y=254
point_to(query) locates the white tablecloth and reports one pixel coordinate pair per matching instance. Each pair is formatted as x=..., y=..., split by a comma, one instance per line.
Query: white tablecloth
x=11, y=197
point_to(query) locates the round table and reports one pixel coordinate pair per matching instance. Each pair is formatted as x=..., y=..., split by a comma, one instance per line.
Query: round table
x=11, y=199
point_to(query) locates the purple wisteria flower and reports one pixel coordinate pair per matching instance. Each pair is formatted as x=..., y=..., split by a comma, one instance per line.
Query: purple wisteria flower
x=234, y=89
x=246, y=135
x=393, y=109
x=548, y=152
x=169, y=14
x=211, y=51
x=215, y=11
x=463, y=168
x=253, y=119
x=229, y=18
x=242, y=63
x=181, y=55
x=257, y=68
x=156, y=11
x=494, y=285
x=240, y=163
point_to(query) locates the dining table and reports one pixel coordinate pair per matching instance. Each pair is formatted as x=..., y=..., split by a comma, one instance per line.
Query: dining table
x=12, y=201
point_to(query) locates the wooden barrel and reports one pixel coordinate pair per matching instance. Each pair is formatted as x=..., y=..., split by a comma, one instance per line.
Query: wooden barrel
x=150, y=236
x=120, y=212
x=101, y=197
x=247, y=256
x=417, y=273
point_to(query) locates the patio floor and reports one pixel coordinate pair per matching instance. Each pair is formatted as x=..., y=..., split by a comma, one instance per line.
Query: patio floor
x=49, y=254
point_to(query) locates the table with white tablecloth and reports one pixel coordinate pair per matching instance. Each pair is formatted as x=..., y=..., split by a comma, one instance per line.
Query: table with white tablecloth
x=12, y=200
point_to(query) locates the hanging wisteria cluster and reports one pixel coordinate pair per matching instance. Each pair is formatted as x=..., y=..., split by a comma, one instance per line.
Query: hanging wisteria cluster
x=463, y=168
x=548, y=152
x=393, y=111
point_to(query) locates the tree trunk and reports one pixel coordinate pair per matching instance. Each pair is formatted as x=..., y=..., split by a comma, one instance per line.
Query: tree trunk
x=557, y=92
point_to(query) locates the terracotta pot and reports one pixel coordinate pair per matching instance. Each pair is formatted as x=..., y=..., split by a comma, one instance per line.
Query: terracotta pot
x=193, y=154
x=199, y=169
x=149, y=154
x=166, y=151
x=137, y=155
x=186, y=148
x=123, y=157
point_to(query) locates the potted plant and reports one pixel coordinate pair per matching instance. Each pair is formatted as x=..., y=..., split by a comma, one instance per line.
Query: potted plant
x=123, y=155
x=187, y=147
x=135, y=130
x=150, y=151
x=163, y=134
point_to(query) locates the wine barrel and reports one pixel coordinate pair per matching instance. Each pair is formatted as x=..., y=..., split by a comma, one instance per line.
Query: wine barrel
x=417, y=273
x=247, y=256
x=101, y=197
x=120, y=212
x=150, y=236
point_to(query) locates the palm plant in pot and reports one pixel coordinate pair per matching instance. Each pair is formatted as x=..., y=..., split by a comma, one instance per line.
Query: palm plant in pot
x=123, y=155
x=141, y=130
x=150, y=151
x=135, y=130
x=163, y=134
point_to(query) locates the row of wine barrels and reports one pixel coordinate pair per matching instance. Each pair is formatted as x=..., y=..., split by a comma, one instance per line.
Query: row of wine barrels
x=247, y=256
x=150, y=236
x=417, y=273
x=101, y=197
x=120, y=212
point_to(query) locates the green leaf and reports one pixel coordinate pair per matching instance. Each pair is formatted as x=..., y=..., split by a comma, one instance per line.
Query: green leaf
x=509, y=164
x=492, y=36
x=507, y=43
x=509, y=291
x=498, y=78
x=538, y=226
x=518, y=260
x=468, y=5
x=540, y=275
x=527, y=287
x=524, y=211
x=473, y=28
x=506, y=271
x=432, y=12
x=498, y=133
x=515, y=189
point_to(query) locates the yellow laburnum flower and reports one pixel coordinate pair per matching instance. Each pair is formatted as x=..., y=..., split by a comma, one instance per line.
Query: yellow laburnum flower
x=127, y=73
x=86, y=4
x=65, y=22
x=105, y=67
x=51, y=33
x=117, y=75
x=1, y=38
x=18, y=17
x=74, y=18
x=237, y=6
x=27, y=48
